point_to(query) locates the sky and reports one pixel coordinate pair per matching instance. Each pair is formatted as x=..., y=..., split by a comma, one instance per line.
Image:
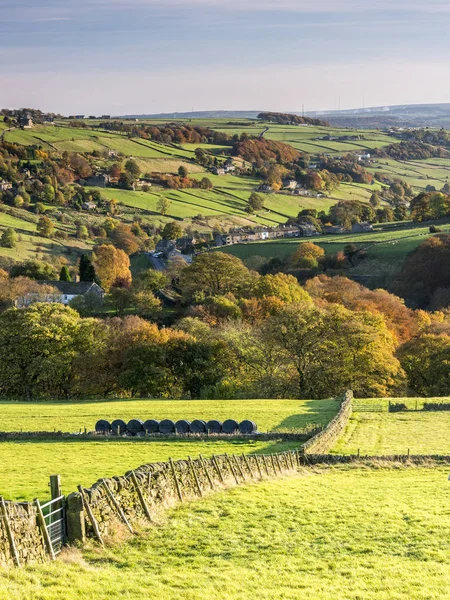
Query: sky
x=150, y=56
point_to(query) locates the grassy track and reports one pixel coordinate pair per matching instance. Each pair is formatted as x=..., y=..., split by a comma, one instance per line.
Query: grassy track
x=343, y=534
x=280, y=415
x=386, y=433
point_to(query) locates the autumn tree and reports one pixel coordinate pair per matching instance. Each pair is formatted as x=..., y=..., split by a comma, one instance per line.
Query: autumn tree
x=172, y=231
x=214, y=273
x=9, y=238
x=255, y=202
x=282, y=286
x=45, y=226
x=308, y=256
x=132, y=168
x=163, y=205
x=38, y=346
x=111, y=264
x=332, y=349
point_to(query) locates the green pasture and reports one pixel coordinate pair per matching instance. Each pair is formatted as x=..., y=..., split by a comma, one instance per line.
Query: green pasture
x=338, y=533
x=84, y=462
x=384, y=433
x=278, y=415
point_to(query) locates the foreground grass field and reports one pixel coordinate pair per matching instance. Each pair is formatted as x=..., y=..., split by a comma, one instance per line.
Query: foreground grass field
x=280, y=415
x=384, y=433
x=83, y=462
x=291, y=538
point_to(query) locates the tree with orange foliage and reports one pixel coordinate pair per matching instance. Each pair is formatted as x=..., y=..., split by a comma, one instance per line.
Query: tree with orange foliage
x=308, y=256
x=110, y=265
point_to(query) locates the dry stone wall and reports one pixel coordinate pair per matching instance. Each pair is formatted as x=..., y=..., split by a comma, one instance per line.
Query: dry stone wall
x=325, y=439
x=21, y=540
x=134, y=497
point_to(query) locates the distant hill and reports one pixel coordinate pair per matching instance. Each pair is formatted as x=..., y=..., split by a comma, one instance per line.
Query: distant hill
x=404, y=115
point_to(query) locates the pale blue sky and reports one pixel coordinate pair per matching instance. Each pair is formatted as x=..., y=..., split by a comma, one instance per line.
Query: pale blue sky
x=133, y=56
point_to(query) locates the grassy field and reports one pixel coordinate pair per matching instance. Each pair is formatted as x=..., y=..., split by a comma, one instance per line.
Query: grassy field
x=342, y=533
x=81, y=461
x=270, y=415
x=384, y=433
x=84, y=462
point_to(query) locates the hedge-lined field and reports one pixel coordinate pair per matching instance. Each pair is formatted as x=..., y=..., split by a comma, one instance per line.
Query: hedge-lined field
x=343, y=533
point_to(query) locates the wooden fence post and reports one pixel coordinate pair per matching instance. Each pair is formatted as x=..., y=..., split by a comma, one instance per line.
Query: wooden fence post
x=140, y=496
x=9, y=533
x=247, y=464
x=177, y=485
x=238, y=464
x=232, y=469
x=265, y=464
x=217, y=467
x=92, y=519
x=194, y=473
x=256, y=457
x=116, y=505
x=207, y=473
x=44, y=530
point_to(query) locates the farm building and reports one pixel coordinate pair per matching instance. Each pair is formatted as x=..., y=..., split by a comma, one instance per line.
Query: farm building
x=97, y=180
x=66, y=292
x=307, y=230
x=5, y=185
x=290, y=184
x=334, y=229
x=362, y=227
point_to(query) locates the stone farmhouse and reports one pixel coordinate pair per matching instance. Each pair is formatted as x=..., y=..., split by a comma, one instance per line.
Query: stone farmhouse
x=66, y=292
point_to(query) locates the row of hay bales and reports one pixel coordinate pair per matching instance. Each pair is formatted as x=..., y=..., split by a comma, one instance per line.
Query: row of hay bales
x=139, y=428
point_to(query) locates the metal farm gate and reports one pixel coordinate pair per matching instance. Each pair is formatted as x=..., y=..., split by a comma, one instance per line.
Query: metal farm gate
x=52, y=518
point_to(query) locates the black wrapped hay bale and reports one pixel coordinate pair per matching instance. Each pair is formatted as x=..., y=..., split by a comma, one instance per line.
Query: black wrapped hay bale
x=118, y=426
x=103, y=426
x=151, y=426
x=214, y=426
x=247, y=426
x=197, y=426
x=230, y=426
x=182, y=426
x=140, y=434
x=135, y=426
x=166, y=426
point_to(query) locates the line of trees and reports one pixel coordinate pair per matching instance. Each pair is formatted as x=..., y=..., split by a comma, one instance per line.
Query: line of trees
x=236, y=334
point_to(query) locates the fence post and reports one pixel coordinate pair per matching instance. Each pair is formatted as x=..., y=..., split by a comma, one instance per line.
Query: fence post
x=9, y=532
x=75, y=522
x=92, y=519
x=258, y=465
x=217, y=466
x=205, y=468
x=238, y=464
x=232, y=469
x=43, y=526
x=55, y=492
x=177, y=485
x=116, y=505
x=140, y=496
x=194, y=473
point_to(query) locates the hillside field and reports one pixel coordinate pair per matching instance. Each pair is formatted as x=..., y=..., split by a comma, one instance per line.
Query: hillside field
x=338, y=533
x=384, y=433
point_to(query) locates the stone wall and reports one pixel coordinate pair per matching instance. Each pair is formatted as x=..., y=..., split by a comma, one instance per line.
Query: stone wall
x=26, y=535
x=325, y=439
x=117, y=500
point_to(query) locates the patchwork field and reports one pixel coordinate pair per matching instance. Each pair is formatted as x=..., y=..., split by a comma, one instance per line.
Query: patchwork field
x=384, y=433
x=341, y=533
